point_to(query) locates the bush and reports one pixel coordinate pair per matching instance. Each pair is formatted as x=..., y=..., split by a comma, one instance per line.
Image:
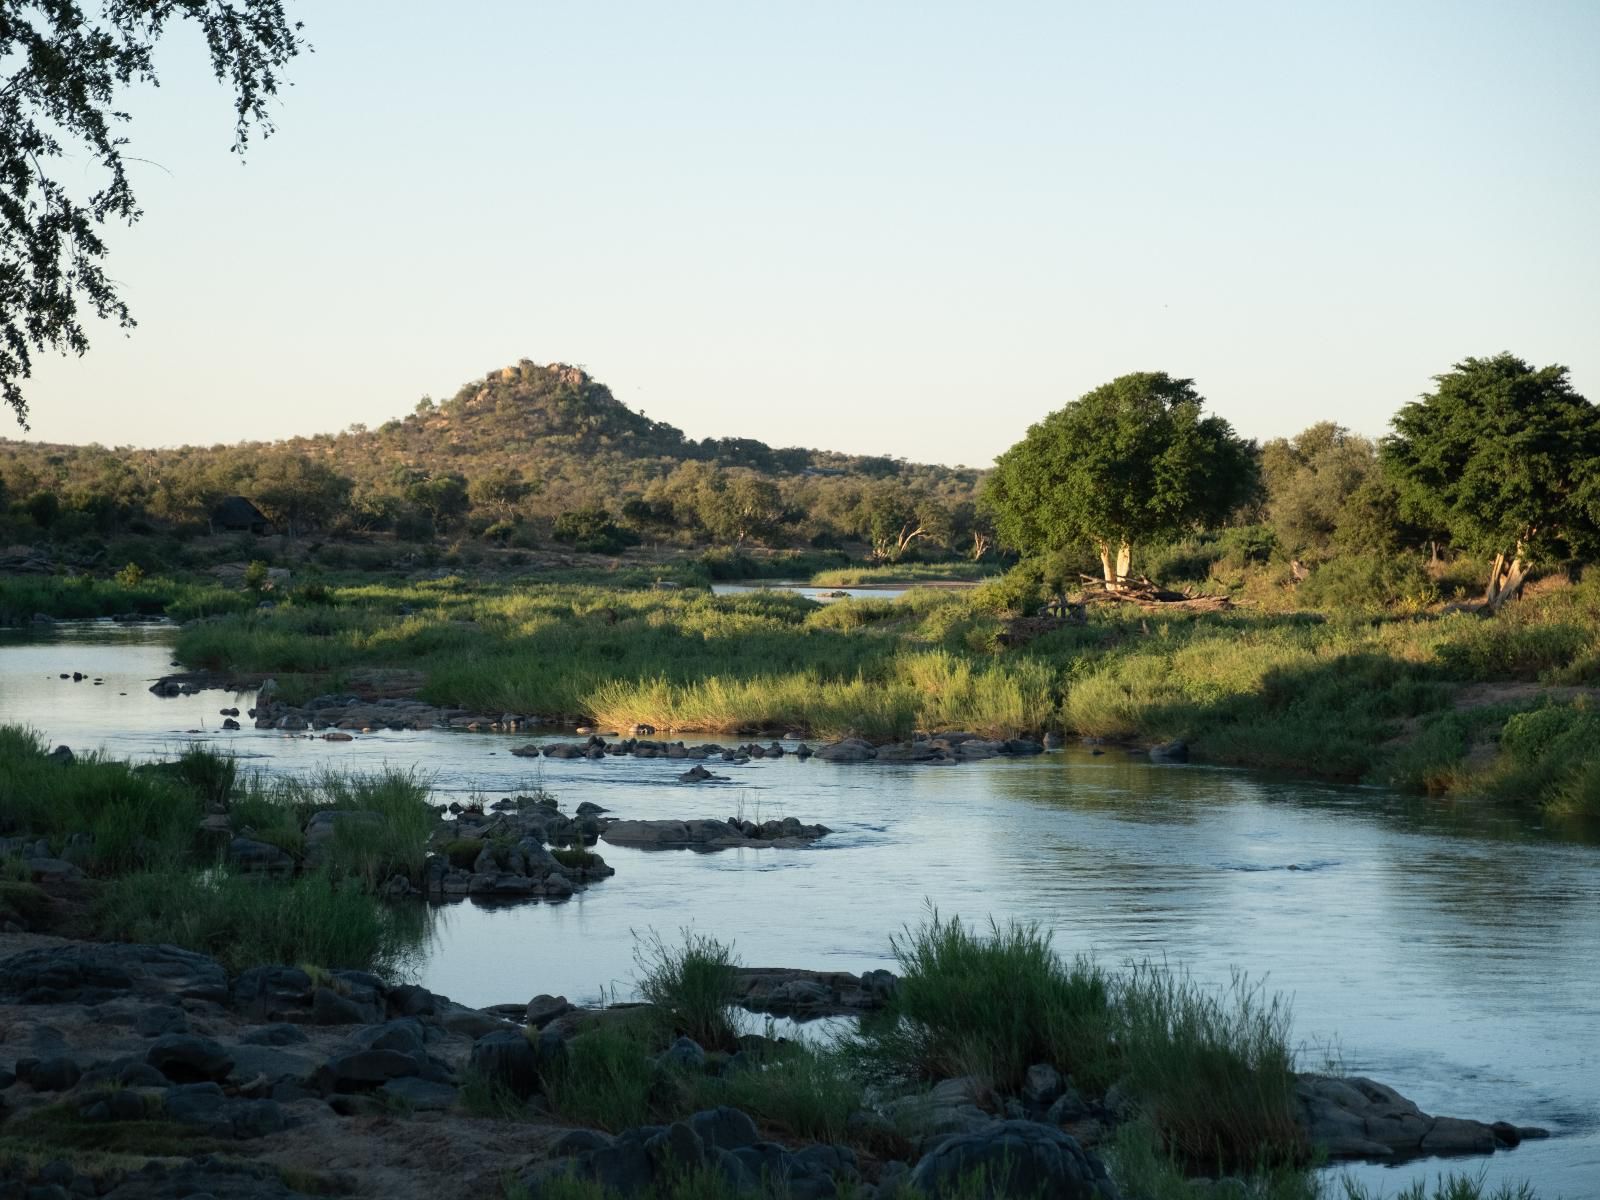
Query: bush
x=131, y=576
x=593, y=531
x=1369, y=581
x=245, y=922
x=991, y=1007
x=255, y=576
x=692, y=984
x=1213, y=1072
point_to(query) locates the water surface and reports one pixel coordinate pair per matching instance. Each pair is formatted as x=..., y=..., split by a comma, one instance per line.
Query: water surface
x=1451, y=951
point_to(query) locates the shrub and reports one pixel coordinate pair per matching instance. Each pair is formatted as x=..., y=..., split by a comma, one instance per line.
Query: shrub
x=131, y=576
x=692, y=984
x=245, y=922
x=1369, y=581
x=991, y=1006
x=1212, y=1071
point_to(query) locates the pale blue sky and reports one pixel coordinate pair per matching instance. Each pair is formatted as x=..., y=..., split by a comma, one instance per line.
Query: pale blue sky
x=888, y=228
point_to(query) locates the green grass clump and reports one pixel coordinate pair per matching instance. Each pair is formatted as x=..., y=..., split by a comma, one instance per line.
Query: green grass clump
x=691, y=985
x=247, y=922
x=908, y=572
x=277, y=810
x=463, y=852
x=608, y=1078
x=1213, y=1072
x=807, y=1091
x=134, y=818
x=575, y=858
x=991, y=1006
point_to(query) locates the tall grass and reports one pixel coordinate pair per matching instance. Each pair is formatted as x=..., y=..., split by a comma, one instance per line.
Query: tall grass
x=277, y=810
x=246, y=922
x=691, y=984
x=131, y=817
x=80, y=597
x=908, y=572
x=1213, y=1071
x=992, y=1006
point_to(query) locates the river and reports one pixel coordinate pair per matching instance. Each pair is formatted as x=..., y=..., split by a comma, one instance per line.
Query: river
x=1451, y=951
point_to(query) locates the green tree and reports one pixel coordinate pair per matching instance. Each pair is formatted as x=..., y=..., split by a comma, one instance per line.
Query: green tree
x=69, y=67
x=443, y=497
x=1310, y=478
x=1506, y=460
x=297, y=492
x=499, y=490
x=1132, y=461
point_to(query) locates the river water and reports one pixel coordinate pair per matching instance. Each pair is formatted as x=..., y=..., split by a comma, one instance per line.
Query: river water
x=1449, y=950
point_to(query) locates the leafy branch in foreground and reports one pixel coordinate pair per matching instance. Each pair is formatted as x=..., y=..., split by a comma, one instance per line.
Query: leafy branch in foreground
x=70, y=63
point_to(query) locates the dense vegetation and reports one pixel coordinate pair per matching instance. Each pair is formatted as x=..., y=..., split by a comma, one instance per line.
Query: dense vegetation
x=526, y=457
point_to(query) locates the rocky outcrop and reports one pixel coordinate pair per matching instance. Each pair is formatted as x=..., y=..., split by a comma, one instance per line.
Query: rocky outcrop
x=1354, y=1117
x=708, y=834
x=802, y=994
x=1014, y=1158
x=722, y=1140
x=936, y=749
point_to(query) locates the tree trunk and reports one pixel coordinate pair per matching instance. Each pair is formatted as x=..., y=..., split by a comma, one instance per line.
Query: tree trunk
x=1124, y=562
x=1505, y=580
x=1106, y=567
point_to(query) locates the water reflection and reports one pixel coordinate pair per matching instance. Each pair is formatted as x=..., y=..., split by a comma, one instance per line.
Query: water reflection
x=1450, y=949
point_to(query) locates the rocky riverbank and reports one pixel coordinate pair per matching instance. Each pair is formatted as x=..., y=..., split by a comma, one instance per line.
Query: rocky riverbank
x=130, y=1071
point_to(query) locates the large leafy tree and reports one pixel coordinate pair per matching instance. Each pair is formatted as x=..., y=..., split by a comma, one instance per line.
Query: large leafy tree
x=69, y=64
x=1133, y=461
x=1506, y=459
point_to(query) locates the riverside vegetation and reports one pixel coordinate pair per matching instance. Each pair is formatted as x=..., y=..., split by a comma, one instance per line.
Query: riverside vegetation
x=1403, y=693
x=1166, y=1076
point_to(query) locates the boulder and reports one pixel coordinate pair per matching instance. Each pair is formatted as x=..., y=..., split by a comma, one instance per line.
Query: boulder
x=848, y=750
x=508, y=1059
x=259, y=858
x=1015, y=1158
x=94, y=972
x=1176, y=751
x=1355, y=1117
x=184, y=1058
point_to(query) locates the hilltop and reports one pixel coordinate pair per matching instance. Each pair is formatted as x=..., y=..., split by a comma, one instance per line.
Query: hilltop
x=522, y=455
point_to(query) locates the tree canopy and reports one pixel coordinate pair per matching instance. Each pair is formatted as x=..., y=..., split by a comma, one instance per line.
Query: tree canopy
x=70, y=63
x=1132, y=461
x=1505, y=459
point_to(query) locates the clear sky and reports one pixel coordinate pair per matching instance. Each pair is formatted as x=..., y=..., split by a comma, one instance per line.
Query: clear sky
x=886, y=228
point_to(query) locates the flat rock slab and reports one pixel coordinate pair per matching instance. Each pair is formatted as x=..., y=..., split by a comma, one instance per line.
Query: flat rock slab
x=785, y=991
x=707, y=834
x=1356, y=1117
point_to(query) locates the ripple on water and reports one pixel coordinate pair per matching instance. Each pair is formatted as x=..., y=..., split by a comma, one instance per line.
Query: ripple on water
x=1451, y=951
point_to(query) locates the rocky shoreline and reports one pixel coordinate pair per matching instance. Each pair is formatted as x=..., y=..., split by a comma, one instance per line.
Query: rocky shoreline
x=280, y=1082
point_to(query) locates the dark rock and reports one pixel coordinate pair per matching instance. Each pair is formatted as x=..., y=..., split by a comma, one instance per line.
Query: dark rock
x=94, y=972
x=278, y=1034
x=410, y=1000
x=725, y=1128
x=328, y=1007
x=685, y=1054
x=58, y=1074
x=270, y=993
x=1016, y=1158
x=364, y=1070
x=262, y=858
x=420, y=1095
x=184, y=1058
x=1170, y=752
x=541, y=1010
x=506, y=1058
x=153, y=1022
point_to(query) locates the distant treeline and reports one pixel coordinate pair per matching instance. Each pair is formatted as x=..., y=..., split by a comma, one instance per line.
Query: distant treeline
x=534, y=456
